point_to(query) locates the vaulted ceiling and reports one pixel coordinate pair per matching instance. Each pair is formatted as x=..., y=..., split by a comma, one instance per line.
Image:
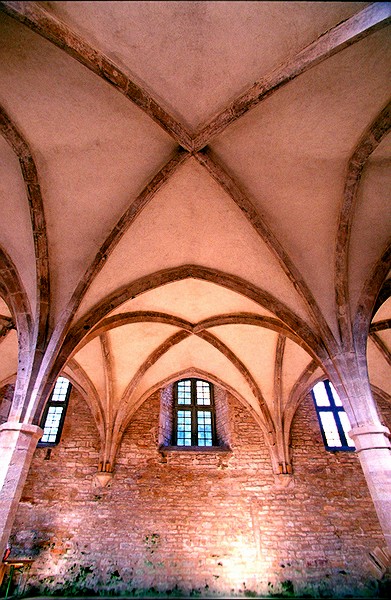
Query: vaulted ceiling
x=194, y=187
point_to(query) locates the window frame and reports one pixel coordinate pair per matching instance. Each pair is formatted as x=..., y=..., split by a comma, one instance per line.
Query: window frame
x=335, y=410
x=193, y=408
x=55, y=403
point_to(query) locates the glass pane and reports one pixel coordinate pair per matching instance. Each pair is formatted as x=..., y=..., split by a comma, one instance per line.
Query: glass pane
x=184, y=392
x=320, y=394
x=330, y=429
x=204, y=428
x=337, y=399
x=52, y=424
x=60, y=390
x=184, y=428
x=184, y=440
x=203, y=393
x=346, y=427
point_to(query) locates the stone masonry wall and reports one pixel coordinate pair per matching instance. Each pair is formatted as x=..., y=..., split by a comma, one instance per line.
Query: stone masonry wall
x=196, y=522
x=6, y=395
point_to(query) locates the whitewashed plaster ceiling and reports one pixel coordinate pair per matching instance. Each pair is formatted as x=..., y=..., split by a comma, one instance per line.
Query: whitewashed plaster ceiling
x=182, y=235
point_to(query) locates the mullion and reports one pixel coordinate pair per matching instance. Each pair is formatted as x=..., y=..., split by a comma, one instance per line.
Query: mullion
x=336, y=410
x=56, y=403
x=194, y=417
x=339, y=426
x=193, y=409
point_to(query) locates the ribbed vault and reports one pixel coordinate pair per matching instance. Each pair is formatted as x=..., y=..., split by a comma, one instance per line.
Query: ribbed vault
x=182, y=198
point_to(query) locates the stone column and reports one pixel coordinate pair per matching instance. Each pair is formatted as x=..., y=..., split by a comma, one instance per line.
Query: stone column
x=371, y=438
x=374, y=451
x=17, y=444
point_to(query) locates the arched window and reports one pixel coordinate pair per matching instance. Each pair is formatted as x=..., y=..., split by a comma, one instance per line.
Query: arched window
x=54, y=415
x=194, y=413
x=333, y=420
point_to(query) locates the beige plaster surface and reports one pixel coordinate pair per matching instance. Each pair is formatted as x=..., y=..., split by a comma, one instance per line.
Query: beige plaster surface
x=202, y=226
x=9, y=356
x=384, y=311
x=131, y=345
x=96, y=150
x=192, y=300
x=290, y=154
x=15, y=217
x=197, y=56
x=295, y=362
x=255, y=348
x=91, y=132
x=373, y=213
x=385, y=336
x=90, y=358
x=197, y=354
x=4, y=310
x=379, y=368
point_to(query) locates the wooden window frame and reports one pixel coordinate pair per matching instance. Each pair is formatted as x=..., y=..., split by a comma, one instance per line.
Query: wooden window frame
x=193, y=408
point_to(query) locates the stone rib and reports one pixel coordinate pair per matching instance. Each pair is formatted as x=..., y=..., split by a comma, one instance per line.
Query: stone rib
x=243, y=370
x=59, y=334
x=229, y=185
x=368, y=143
x=381, y=346
x=370, y=19
x=123, y=415
x=34, y=197
x=48, y=26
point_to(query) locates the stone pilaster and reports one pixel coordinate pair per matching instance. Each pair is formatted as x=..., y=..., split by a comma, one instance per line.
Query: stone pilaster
x=17, y=444
x=374, y=451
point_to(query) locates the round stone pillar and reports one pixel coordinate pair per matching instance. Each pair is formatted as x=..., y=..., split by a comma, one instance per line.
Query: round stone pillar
x=17, y=444
x=374, y=451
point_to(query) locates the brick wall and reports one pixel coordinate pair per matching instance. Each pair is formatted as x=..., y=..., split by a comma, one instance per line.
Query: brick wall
x=201, y=523
x=6, y=395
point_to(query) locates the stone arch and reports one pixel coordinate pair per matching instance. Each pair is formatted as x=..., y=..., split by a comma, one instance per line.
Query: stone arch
x=194, y=372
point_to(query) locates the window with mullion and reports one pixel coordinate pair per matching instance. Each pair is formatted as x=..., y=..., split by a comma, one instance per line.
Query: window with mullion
x=194, y=418
x=54, y=415
x=333, y=420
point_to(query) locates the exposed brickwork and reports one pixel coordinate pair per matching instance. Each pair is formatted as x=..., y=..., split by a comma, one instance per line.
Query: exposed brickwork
x=6, y=395
x=196, y=521
x=223, y=420
x=384, y=407
x=166, y=415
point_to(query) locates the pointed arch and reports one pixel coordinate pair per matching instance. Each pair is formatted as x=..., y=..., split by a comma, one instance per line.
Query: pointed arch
x=367, y=301
x=198, y=373
x=15, y=296
x=370, y=140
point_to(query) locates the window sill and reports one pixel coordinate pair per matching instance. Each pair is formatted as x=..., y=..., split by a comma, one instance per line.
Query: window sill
x=196, y=449
x=47, y=444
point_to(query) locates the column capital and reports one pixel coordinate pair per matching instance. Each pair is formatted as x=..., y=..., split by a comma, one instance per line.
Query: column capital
x=370, y=437
x=26, y=428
